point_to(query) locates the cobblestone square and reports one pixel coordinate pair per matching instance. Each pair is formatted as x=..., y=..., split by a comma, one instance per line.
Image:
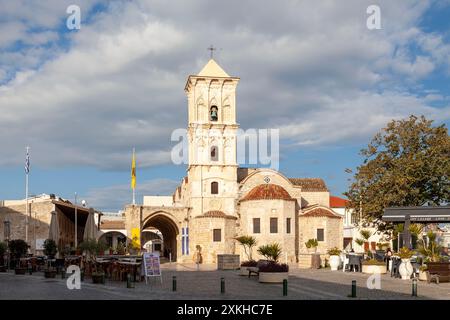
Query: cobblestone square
x=205, y=284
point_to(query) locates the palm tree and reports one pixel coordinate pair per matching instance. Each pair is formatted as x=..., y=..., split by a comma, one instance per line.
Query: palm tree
x=270, y=251
x=431, y=252
x=247, y=242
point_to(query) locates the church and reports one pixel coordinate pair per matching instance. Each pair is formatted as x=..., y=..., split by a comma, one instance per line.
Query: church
x=218, y=201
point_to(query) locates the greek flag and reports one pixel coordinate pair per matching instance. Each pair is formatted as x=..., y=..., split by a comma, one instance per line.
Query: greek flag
x=27, y=163
x=185, y=241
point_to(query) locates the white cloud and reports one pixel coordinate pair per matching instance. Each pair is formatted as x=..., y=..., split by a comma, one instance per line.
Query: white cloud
x=115, y=197
x=312, y=69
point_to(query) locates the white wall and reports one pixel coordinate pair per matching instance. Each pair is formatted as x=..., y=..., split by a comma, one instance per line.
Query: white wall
x=158, y=201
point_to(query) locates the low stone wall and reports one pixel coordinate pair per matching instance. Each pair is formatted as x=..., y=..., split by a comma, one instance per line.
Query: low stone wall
x=304, y=260
x=228, y=262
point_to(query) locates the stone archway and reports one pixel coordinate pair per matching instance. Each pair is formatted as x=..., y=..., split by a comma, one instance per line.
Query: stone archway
x=168, y=228
x=112, y=238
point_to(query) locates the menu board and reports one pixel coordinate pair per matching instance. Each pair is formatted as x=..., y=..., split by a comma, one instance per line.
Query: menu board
x=152, y=267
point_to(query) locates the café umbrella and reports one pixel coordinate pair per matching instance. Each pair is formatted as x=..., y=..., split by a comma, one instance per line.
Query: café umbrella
x=90, y=228
x=54, y=228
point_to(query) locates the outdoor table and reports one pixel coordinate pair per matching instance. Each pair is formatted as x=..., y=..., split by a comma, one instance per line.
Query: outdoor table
x=70, y=260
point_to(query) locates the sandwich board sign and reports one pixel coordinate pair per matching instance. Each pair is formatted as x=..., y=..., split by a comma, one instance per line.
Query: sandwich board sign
x=152, y=266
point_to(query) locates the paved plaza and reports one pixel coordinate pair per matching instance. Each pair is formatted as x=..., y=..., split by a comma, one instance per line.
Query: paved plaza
x=205, y=284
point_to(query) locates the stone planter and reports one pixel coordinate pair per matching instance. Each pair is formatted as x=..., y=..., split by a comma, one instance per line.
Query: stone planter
x=272, y=277
x=406, y=269
x=228, y=262
x=371, y=269
x=335, y=261
x=243, y=271
x=20, y=270
x=423, y=275
x=315, y=261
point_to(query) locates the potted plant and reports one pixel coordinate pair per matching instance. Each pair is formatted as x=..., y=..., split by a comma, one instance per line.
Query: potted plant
x=247, y=242
x=18, y=248
x=374, y=266
x=335, y=259
x=120, y=249
x=50, y=250
x=423, y=273
x=273, y=272
x=366, y=234
x=406, y=268
x=92, y=248
x=3, y=248
x=315, y=257
x=312, y=244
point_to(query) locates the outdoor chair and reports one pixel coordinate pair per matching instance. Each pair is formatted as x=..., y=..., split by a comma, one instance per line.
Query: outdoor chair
x=345, y=262
x=355, y=262
x=395, y=268
x=379, y=255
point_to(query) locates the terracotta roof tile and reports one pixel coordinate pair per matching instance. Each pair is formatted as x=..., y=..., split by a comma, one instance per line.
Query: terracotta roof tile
x=112, y=224
x=267, y=192
x=216, y=214
x=320, y=212
x=336, y=202
x=310, y=184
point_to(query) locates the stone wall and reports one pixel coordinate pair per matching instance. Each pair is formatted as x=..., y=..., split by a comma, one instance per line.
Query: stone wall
x=264, y=210
x=321, y=198
x=38, y=222
x=201, y=233
x=333, y=232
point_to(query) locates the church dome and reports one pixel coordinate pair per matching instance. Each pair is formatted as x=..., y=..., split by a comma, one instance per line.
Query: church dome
x=267, y=192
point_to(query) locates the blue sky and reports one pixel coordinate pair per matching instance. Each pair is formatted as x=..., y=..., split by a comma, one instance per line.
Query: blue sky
x=82, y=99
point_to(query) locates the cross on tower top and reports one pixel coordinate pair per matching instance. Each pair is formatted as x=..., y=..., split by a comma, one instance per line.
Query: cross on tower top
x=212, y=49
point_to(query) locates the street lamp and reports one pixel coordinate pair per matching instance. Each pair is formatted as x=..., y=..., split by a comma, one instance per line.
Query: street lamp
x=7, y=234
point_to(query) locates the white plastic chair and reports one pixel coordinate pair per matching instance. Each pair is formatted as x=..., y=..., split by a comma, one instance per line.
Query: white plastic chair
x=345, y=261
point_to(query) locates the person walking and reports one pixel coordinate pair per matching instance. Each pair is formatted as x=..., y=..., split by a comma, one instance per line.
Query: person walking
x=387, y=257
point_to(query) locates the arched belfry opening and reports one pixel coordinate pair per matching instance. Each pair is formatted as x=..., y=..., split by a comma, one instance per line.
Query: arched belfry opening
x=161, y=223
x=213, y=113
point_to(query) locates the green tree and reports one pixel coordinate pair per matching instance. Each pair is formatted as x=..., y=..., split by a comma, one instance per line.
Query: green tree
x=406, y=164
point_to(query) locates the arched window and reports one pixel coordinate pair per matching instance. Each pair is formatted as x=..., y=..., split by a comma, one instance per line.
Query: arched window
x=214, y=187
x=214, y=153
x=213, y=112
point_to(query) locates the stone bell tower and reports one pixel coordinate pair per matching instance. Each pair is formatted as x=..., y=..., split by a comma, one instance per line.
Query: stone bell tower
x=212, y=168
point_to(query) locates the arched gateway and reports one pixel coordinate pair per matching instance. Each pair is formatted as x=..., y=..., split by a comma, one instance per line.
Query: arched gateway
x=168, y=221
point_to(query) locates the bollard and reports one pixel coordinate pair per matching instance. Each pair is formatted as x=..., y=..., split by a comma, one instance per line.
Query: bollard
x=353, y=289
x=63, y=273
x=130, y=284
x=285, y=287
x=30, y=269
x=222, y=285
x=414, y=287
x=174, y=283
x=82, y=275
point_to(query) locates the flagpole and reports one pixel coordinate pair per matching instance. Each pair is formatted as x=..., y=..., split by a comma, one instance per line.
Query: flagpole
x=76, y=223
x=134, y=186
x=26, y=199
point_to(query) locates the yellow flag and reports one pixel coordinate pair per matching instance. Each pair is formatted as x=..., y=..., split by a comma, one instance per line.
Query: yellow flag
x=133, y=172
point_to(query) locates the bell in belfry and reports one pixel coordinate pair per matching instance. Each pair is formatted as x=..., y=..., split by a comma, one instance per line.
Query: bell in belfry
x=213, y=113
